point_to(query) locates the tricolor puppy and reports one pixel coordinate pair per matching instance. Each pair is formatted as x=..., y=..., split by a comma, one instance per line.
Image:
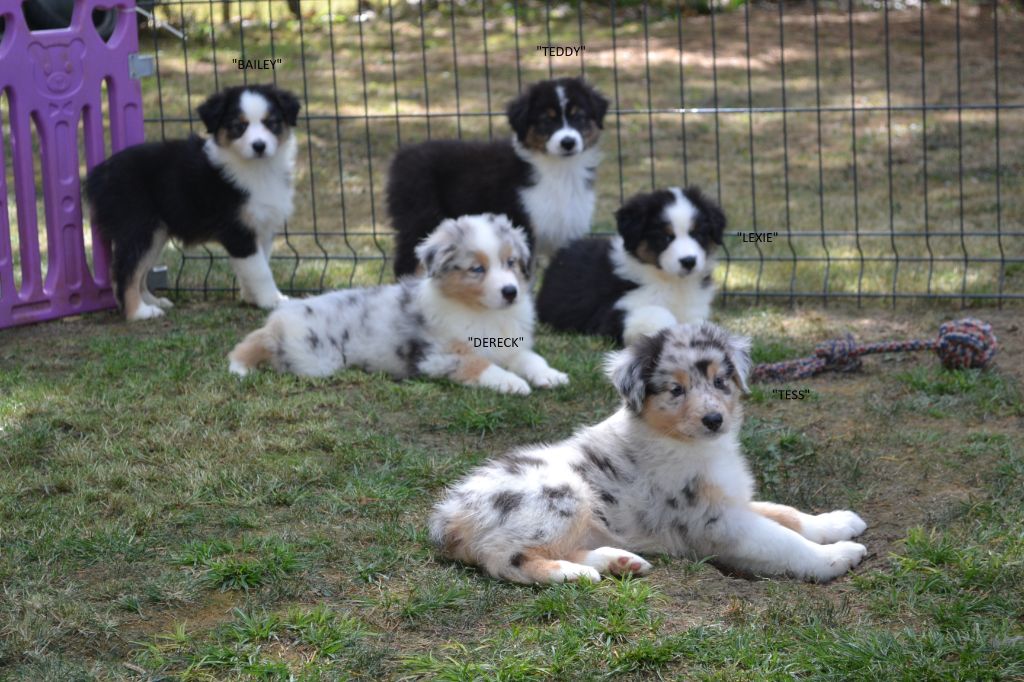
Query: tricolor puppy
x=234, y=188
x=469, y=320
x=542, y=178
x=656, y=273
x=664, y=474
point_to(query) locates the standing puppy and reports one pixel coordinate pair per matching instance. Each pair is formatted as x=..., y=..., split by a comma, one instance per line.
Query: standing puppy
x=542, y=178
x=470, y=319
x=656, y=273
x=664, y=474
x=234, y=188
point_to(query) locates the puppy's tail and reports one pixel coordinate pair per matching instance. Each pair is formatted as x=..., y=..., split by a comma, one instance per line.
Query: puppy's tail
x=255, y=349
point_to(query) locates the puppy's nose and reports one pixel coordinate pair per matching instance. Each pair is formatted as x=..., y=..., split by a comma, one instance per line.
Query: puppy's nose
x=713, y=421
x=259, y=146
x=568, y=143
x=509, y=292
x=688, y=262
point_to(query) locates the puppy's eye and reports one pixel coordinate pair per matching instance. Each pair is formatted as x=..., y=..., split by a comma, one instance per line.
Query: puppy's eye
x=237, y=128
x=478, y=269
x=676, y=390
x=273, y=124
x=720, y=383
x=511, y=262
x=551, y=113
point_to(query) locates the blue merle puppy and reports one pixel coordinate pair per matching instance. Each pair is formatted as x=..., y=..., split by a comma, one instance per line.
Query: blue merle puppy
x=664, y=474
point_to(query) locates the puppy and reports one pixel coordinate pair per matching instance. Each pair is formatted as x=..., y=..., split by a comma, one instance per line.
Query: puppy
x=542, y=178
x=656, y=273
x=234, y=188
x=469, y=320
x=664, y=474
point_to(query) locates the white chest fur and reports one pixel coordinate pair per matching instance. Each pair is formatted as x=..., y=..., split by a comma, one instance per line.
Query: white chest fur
x=686, y=298
x=269, y=184
x=560, y=202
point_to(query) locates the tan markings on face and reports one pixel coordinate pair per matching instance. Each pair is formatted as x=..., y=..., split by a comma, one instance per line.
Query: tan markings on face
x=780, y=514
x=682, y=377
x=481, y=259
x=464, y=287
x=535, y=140
x=713, y=370
x=222, y=138
x=671, y=416
x=470, y=365
x=645, y=254
x=680, y=416
x=591, y=134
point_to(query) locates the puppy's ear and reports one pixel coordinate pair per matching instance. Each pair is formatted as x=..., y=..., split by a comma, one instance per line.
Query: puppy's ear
x=440, y=245
x=517, y=237
x=737, y=350
x=630, y=370
x=711, y=214
x=212, y=111
x=289, y=105
x=631, y=220
x=598, y=104
x=518, y=112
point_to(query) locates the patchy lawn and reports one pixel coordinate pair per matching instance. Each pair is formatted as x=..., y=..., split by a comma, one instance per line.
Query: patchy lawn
x=161, y=519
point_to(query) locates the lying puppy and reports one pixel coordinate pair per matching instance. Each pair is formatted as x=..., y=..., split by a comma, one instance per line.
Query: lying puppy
x=656, y=273
x=664, y=474
x=469, y=320
x=234, y=188
x=542, y=178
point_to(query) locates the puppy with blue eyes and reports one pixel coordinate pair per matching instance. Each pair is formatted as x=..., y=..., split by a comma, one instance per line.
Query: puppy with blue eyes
x=234, y=188
x=665, y=475
x=470, y=319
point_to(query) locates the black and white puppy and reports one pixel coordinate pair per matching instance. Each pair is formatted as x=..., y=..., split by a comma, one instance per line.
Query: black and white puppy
x=234, y=188
x=470, y=319
x=665, y=474
x=656, y=273
x=542, y=178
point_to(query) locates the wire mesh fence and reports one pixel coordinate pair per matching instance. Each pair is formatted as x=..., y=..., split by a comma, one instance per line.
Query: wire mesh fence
x=859, y=151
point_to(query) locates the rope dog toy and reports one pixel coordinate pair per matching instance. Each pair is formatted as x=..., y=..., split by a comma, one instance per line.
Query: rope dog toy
x=966, y=343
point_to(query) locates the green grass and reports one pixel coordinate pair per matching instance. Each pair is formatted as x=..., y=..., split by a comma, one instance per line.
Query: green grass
x=160, y=518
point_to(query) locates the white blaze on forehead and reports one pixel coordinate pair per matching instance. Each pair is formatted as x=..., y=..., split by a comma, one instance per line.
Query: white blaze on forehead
x=562, y=98
x=482, y=237
x=254, y=106
x=680, y=213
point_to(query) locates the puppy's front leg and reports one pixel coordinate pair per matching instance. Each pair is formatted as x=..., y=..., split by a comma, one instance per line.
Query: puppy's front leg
x=821, y=528
x=536, y=370
x=748, y=541
x=257, y=281
x=459, y=363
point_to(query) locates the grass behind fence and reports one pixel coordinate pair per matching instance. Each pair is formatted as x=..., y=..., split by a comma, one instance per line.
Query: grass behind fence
x=867, y=139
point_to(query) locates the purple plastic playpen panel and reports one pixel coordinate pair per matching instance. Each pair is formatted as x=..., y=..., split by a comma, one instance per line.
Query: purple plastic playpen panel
x=53, y=80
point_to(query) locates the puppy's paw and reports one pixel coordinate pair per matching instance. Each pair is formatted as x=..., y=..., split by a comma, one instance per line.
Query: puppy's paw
x=163, y=303
x=146, y=311
x=567, y=571
x=503, y=381
x=237, y=368
x=837, y=559
x=548, y=378
x=834, y=526
x=617, y=561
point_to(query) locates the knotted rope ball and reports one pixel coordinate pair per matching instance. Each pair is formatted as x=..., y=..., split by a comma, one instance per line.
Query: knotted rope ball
x=961, y=344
